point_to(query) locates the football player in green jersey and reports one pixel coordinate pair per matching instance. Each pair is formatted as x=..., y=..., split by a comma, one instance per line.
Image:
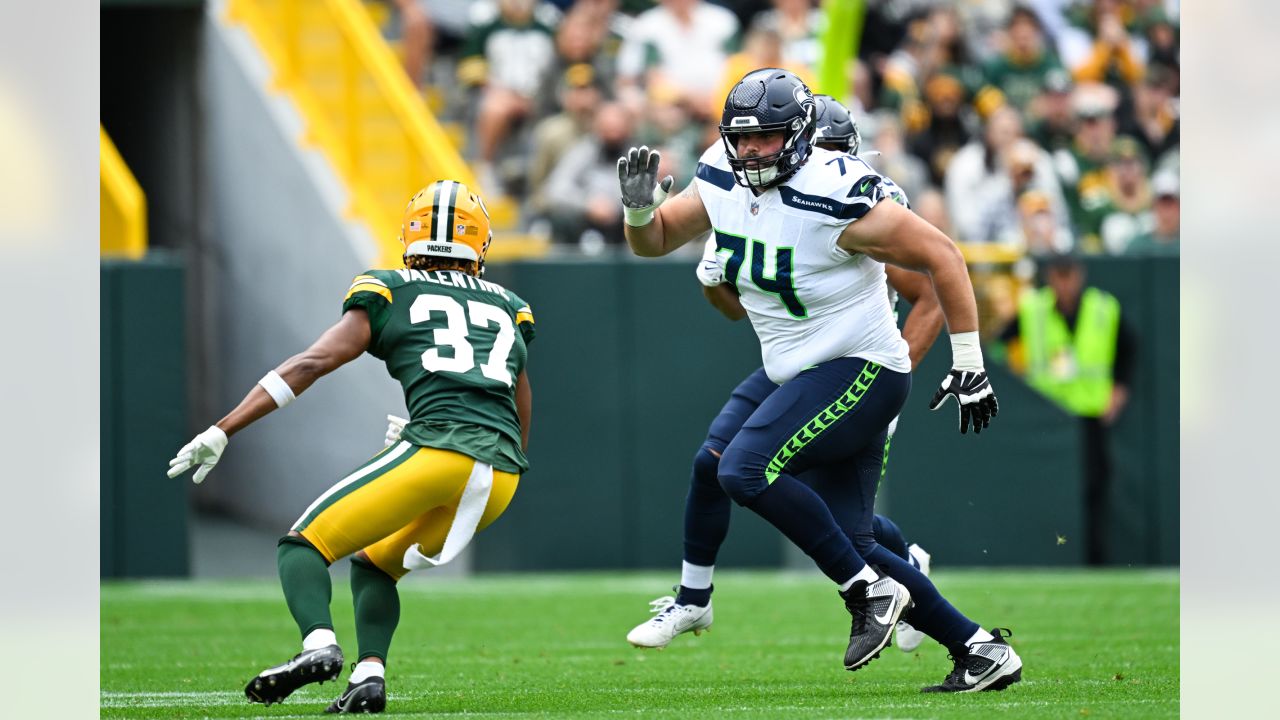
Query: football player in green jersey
x=457, y=344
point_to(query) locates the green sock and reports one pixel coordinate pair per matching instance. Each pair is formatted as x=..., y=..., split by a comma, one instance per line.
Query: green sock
x=377, y=608
x=304, y=577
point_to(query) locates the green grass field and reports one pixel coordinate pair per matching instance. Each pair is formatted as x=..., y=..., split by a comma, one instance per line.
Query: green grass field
x=1095, y=644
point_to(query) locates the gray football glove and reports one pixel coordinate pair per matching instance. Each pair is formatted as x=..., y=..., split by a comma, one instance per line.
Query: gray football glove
x=641, y=191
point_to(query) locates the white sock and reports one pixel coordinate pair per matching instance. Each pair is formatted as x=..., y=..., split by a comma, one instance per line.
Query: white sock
x=318, y=638
x=366, y=669
x=696, y=577
x=866, y=573
x=980, y=636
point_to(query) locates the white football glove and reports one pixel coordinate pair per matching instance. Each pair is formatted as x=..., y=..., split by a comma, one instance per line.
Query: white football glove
x=709, y=271
x=395, y=426
x=204, y=450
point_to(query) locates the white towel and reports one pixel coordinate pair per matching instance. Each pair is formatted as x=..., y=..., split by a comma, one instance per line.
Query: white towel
x=475, y=497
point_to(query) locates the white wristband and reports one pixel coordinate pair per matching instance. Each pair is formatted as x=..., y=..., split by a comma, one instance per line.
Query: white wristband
x=638, y=217
x=966, y=352
x=277, y=388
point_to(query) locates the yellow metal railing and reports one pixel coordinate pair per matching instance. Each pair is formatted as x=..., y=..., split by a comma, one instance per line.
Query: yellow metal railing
x=360, y=107
x=122, y=218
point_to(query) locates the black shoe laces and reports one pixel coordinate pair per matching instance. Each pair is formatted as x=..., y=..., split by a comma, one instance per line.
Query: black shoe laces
x=860, y=608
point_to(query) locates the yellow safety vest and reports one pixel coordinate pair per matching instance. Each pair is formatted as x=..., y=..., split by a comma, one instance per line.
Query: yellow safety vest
x=1074, y=372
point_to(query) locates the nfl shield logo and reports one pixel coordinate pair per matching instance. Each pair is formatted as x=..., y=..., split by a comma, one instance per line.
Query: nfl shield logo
x=755, y=208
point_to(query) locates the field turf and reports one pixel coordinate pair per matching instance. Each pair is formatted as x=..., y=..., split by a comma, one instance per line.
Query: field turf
x=1095, y=644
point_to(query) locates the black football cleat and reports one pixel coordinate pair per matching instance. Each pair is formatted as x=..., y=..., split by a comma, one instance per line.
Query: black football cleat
x=367, y=696
x=875, y=610
x=990, y=665
x=309, y=666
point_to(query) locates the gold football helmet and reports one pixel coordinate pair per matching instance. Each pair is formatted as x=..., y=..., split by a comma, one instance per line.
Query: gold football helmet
x=446, y=219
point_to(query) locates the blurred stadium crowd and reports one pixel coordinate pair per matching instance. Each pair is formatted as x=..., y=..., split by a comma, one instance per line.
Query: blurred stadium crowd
x=1040, y=126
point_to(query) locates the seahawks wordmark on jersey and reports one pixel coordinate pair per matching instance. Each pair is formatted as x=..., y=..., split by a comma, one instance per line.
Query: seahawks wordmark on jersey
x=456, y=344
x=808, y=299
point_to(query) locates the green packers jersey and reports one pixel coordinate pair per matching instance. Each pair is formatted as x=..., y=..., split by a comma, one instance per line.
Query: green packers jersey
x=456, y=344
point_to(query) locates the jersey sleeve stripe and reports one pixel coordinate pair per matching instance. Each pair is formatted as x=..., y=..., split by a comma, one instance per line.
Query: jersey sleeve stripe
x=366, y=279
x=722, y=179
x=524, y=316
x=368, y=287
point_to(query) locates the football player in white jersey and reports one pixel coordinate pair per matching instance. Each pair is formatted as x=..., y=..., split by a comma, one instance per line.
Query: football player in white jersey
x=707, y=508
x=803, y=234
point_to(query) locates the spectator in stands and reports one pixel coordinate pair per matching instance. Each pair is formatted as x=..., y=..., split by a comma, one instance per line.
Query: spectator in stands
x=1081, y=169
x=1109, y=54
x=1021, y=69
x=579, y=41
x=417, y=36
x=761, y=48
x=1167, y=210
x=796, y=22
x=580, y=93
x=1038, y=232
x=1155, y=121
x=907, y=170
x=932, y=206
x=675, y=54
x=942, y=128
x=986, y=177
x=1053, y=125
x=1119, y=210
x=508, y=57
x=585, y=182
x=1161, y=34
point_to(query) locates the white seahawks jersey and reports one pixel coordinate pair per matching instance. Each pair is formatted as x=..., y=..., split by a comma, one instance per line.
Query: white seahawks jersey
x=809, y=300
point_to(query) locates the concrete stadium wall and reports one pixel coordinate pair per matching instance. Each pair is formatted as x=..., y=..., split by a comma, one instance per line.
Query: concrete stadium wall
x=279, y=259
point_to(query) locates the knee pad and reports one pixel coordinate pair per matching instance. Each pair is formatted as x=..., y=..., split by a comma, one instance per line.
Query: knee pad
x=706, y=468
x=739, y=479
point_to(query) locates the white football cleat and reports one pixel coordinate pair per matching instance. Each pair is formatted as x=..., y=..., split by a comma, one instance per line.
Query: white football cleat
x=920, y=556
x=669, y=621
x=908, y=638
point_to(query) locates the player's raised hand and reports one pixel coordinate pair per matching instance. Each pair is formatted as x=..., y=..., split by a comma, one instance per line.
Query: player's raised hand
x=974, y=396
x=638, y=180
x=204, y=450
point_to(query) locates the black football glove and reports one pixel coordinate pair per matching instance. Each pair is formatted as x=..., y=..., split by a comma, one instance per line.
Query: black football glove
x=973, y=393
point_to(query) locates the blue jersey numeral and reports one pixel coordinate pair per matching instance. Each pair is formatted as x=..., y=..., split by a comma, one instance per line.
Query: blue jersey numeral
x=781, y=284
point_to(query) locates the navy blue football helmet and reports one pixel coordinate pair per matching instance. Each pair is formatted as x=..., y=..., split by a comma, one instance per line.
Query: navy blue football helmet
x=835, y=128
x=768, y=100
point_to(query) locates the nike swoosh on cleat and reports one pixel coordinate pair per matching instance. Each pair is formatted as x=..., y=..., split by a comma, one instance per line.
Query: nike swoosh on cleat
x=971, y=680
x=888, y=613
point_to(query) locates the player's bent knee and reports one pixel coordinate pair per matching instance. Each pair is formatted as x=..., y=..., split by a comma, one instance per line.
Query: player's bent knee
x=739, y=477
x=706, y=467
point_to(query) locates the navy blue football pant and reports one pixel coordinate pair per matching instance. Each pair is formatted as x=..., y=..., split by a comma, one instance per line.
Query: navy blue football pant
x=707, y=507
x=832, y=418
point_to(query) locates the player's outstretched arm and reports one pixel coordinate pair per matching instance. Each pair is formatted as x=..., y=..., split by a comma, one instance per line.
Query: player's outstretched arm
x=653, y=225
x=924, y=319
x=893, y=234
x=339, y=345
